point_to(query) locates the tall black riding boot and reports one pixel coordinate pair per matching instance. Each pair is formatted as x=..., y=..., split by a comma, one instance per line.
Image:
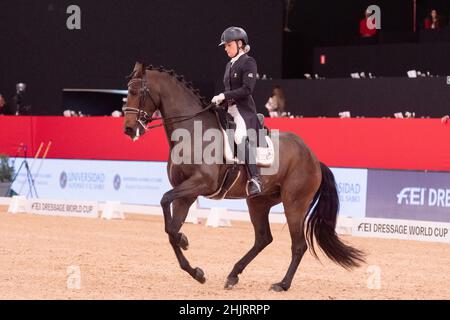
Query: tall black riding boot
x=254, y=184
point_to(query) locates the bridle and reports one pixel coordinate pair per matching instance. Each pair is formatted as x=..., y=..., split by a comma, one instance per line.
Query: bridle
x=143, y=118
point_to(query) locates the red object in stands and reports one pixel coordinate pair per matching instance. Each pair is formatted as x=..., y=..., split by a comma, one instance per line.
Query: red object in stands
x=364, y=31
x=323, y=59
x=409, y=144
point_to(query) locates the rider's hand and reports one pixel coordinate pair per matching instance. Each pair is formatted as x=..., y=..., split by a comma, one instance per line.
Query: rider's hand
x=218, y=99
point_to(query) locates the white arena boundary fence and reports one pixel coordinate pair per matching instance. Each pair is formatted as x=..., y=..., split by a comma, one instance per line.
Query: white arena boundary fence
x=220, y=217
x=213, y=217
x=413, y=205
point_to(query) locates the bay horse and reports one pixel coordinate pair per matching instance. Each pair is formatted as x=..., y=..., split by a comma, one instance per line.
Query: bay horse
x=305, y=186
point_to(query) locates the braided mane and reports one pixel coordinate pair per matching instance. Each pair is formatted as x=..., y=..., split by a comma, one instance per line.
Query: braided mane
x=180, y=78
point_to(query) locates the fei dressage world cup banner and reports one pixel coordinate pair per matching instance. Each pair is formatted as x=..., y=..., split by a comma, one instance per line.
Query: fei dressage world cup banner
x=401, y=229
x=409, y=195
x=63, y=208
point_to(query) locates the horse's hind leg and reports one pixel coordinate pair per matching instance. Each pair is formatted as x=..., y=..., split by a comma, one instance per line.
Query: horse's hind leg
x=259, y=215
x=294, y=215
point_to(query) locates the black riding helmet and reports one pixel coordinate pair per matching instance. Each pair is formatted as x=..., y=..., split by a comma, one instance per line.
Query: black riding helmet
x=233, y=34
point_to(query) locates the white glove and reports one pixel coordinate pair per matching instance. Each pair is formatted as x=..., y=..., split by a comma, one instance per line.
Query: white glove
x=218, y=99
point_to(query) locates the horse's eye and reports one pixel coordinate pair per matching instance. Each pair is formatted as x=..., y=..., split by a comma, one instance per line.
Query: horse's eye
x=133, y=92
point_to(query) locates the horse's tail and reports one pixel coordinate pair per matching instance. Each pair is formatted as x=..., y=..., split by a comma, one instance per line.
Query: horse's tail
x=321, y=223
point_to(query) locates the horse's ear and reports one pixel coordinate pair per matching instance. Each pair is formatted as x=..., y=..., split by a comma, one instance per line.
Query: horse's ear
x=133, y=73
x=130, y=76
x=139, y=68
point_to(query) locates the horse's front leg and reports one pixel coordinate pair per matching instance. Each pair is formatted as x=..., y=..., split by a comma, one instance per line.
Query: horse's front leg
x=181, y=198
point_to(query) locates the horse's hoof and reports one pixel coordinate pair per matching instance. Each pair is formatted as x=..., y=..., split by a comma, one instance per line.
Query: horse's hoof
x=278, y=287
x=183, y=243
x=231, y=282
x=199, y=275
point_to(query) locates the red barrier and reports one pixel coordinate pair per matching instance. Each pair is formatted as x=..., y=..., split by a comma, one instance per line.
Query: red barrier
x=16, y=132
x=80, y=138
x=410, y=144
x=413, y=144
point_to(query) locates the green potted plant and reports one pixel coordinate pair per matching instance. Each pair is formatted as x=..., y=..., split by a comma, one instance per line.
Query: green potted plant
x=6, y=174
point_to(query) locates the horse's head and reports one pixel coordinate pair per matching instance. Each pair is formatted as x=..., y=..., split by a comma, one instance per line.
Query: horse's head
x=142, y=102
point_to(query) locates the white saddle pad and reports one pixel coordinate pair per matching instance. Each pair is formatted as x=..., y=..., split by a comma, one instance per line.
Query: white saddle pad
x=264, y=156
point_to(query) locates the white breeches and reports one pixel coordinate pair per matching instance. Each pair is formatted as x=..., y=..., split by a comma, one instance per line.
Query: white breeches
x=241, y=128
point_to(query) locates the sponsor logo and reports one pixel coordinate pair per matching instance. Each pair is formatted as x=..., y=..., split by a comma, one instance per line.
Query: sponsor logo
x=349, y=192
x=423, y=196
x=63, y=179
x=63, y=208
x=431, y=197
x=82, y=180
x=402, y=229
x=116, y=182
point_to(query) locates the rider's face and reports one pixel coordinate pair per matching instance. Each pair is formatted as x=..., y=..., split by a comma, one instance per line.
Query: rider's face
x=231, y=48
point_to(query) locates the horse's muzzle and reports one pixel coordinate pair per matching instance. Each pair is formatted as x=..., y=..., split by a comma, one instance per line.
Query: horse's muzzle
x=129, y=131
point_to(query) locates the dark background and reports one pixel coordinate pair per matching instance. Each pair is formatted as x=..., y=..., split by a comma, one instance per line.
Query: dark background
x=38, y=49
x=323, y=23
x=385, y=60
x=380, y=97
